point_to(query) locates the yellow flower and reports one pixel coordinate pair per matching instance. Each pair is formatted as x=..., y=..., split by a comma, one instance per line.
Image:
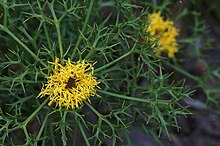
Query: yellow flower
x=70, y=84
x=165, y=31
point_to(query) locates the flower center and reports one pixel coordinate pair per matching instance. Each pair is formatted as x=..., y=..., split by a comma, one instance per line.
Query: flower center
x=71, y=83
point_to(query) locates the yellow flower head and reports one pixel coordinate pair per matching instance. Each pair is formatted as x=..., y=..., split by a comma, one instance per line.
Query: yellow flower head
x=70, y=84
x=165, y=31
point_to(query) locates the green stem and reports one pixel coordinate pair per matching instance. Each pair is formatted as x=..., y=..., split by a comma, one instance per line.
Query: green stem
x=35, y=112
x=52, y=135
x=83, y=134
x=113, y=62
x=24, y=81
x=5, y=13
x=124, y=97
x=118, y=12
x=57, y=25
x=45, y=29
x=92, y=108
x=184, y=72
x=91, y=52
x=74, y=135
x=48, y=38
x=27, y=137
x=83, y=28
x=24, y=124
x=22, y=44
x=41, y=129
x=63, y=129
x=59, y=39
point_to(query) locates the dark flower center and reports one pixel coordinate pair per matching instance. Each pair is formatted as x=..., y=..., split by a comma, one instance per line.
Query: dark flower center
x=71, y=83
